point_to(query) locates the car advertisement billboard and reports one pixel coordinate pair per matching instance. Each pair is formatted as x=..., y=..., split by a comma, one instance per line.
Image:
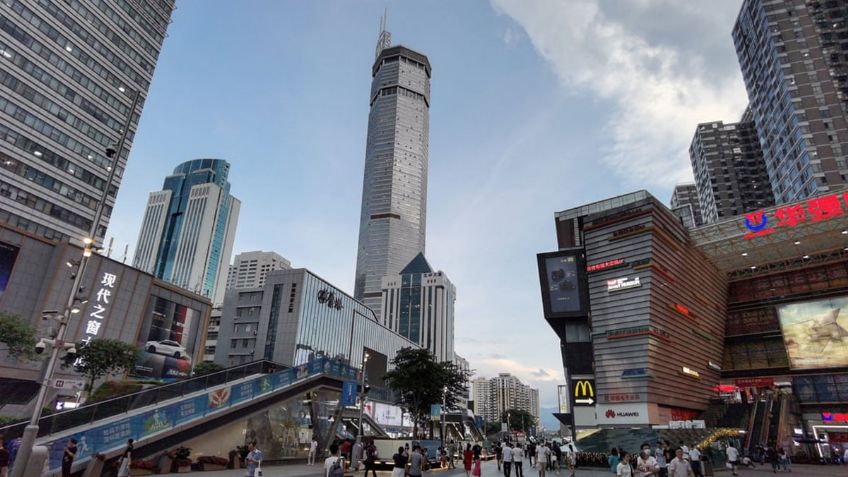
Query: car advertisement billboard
x=167, y=347
x=562, y=276
x=816, y=333
x=8, y=256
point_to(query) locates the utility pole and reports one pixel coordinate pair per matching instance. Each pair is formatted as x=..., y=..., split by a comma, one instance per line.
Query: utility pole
x=361, y=397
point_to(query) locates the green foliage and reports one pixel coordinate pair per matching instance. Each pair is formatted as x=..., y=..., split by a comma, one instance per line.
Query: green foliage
x=112, y=389
x=17, y=335
x=519, y=419
x=422, y=381
x=206, y=368
x=101, y=357
x=6, y=420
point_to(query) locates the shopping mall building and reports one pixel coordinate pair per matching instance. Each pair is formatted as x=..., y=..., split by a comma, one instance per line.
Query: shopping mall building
x=738, y=323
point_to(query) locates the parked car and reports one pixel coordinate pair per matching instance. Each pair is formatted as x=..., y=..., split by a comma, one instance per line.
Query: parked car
x=167, y=347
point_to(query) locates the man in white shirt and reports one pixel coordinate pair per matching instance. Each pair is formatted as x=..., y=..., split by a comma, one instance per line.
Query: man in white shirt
x=542, y=452
x=679, y=467
x=646, y=464
x=356, y=456
x=313, y=449
x=507, y=458
x=695, y=460
x=732, y=457
x=518, y=460
x=330, y=461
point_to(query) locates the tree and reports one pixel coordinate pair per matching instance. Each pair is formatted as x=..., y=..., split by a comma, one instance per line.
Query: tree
x=206, y=368
x=422, y=381
x=17, y=335
x=519, y=419
x=101, y=357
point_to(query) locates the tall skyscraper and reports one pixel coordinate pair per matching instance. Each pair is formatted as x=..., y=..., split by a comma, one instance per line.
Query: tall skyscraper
x=69, y=72
x=418, y=304
x=793, y=60
x=730, y=173
x=684, y=195
x=249, y=269
x=394, y=192
x=188, y=229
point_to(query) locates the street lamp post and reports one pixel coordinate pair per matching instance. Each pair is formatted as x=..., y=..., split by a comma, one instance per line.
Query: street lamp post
x=71, y=307
x=361, y=397
x=442, y=416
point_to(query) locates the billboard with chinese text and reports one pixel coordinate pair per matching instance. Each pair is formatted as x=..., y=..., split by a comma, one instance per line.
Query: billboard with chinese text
x=816, y=332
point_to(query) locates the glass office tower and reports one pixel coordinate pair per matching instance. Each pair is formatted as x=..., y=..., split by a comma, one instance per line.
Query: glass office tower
x=188, y=228
x=68, y=73
x=394, y=193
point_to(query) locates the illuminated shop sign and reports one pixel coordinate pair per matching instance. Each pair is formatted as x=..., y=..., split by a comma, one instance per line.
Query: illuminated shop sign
x=691, y=372
x=634, y=331
x=619, y=284
x=826, y=207
x=632, y=373
x=622, y=397
x=618, y=262
x=97, y=313
x=682, y=310
x=834, y=417
x=754, y=382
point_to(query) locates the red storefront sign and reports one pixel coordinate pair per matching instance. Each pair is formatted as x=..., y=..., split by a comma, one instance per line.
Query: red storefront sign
x=835, y=417
x=622, y=397
x=679, y=414
x=817, y=209
x=605, y=265
x=754, y=382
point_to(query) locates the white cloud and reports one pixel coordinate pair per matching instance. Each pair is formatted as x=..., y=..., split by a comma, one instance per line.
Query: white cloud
x=659, y=89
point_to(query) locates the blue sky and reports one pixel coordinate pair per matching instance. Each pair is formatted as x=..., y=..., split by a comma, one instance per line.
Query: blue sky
x=537, y=106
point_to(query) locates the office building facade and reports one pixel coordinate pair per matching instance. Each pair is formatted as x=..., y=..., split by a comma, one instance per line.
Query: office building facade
x=298, y=316
x=188, y=228
x=249, y=269
x=419, y=304
x=730, y=172
x=69, y=73
x=686, y=195
x=394, y=192
x=792, y=55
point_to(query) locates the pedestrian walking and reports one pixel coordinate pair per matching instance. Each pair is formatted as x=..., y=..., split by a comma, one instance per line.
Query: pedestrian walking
x=253, y=460
x=416, y=462
x=556, y=458
x=313, y=449
x=371, y=459
x=506, y=455
x=732, y=457
x=126, y=459
x=784, y=460
x=772, y=458
x=334, y=465
x=467, y=459
x=451, y=454
x=623, y=468
x=646, y=464
x=679, y=466
x=695, y=461
x=400, y=460
x=613, y=460
x=518, y=460
x=662, y=460
x=355, y=455
x=531, y=452
x=542, y=455
x=68, y=457
x=4, y=459
x=498, y=454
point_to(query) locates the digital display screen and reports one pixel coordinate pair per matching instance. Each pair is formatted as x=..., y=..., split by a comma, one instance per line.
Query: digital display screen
x=562, y=394
x=816, y=333
x=167, y=348
x=8, y=256
x=562, y=275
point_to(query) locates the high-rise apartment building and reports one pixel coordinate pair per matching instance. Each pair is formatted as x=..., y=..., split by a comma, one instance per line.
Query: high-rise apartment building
x=68, y=75
x=493, y=397
x=394, y=192
x=188, y=228
x=730, y=173
x=249, y=269
x=686, y=195
x=794, y=63
x=418, y=304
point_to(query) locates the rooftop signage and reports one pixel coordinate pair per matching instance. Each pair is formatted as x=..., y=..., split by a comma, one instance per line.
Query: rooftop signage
x=826, y=207
x=597, y=267
x=618, y=284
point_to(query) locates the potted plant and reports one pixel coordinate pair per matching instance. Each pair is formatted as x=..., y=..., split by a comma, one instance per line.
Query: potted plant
x=182, y=462
x=234, y=460
x=210, y=462
x=242, y=452
x=141, y=467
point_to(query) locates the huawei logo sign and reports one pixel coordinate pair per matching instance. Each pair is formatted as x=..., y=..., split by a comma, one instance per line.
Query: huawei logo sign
x=610, y=414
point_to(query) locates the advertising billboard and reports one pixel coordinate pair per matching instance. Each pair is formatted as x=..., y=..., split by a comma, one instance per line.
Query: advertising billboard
x=562, y=276
x=388, y=415
x=562, y=393
x=8, y=256
x=167, y=345
x=816, y=333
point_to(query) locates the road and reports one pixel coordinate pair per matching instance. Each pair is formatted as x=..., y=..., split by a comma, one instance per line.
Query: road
x=490, y=470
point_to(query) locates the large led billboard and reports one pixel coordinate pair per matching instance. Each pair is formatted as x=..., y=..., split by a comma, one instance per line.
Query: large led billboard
x=168, y=345
x=562, y=276
x=816, y=333
x=8, y=256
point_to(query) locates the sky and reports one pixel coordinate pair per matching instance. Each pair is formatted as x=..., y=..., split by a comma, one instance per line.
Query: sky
x=537, y=106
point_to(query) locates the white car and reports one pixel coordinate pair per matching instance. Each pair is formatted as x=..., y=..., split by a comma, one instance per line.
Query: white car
x=167, y=347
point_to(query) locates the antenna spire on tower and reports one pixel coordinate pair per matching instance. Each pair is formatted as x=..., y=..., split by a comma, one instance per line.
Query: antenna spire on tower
x=384, y=40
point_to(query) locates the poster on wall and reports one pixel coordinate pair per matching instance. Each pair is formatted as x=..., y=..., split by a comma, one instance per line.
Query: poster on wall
x=167, y=341
x=816, y=333
x=8, y=256
x=563, y=280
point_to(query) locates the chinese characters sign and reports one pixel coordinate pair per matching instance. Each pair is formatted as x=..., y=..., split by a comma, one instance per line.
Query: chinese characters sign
x=97, y=312
x=826, y=207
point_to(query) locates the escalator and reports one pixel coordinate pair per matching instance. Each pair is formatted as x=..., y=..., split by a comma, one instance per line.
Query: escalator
x=755, y=427
x=779, y=417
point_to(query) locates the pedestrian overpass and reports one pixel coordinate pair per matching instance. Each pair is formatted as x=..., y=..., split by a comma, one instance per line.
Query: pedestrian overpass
x=166, y=416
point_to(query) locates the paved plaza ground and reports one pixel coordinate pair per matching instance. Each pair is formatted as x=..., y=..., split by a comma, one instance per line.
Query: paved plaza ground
x=490, y=470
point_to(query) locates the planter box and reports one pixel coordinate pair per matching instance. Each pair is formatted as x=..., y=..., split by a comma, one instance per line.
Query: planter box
x=136, y=472
x=184, y=468
x=207, y=467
